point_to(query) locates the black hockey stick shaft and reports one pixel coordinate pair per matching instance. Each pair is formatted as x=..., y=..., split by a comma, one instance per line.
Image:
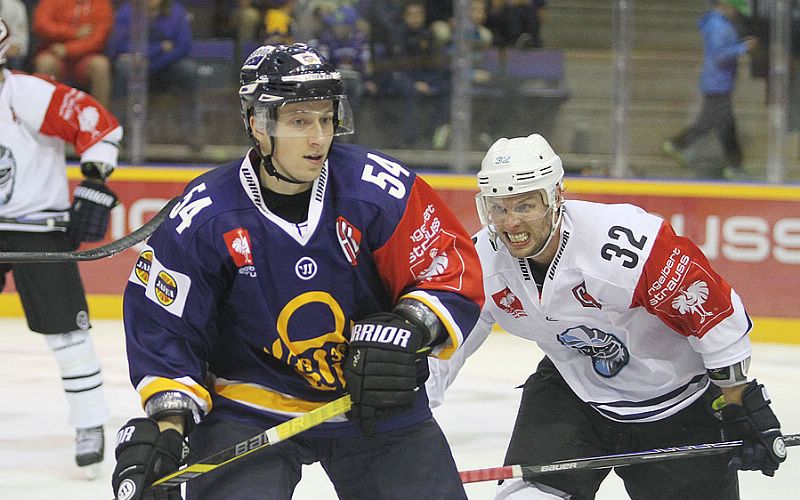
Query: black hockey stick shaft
x=608, y=461
x=100, y=252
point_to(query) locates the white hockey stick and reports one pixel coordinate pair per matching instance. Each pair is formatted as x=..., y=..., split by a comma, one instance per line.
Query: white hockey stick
x=100, y=252
x=608, y=461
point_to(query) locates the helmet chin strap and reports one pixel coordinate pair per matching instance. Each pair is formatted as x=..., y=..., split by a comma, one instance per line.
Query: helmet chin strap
x=553, y=229
x=266, y=161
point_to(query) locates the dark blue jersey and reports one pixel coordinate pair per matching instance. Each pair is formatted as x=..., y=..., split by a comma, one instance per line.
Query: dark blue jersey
x=250, y=314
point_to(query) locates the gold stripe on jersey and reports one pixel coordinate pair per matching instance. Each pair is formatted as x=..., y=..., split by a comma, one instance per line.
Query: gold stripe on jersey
x=262, y=398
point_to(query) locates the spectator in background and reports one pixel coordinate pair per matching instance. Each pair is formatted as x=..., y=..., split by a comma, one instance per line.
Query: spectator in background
x=15, y=15
x=481, y=37
x=721, y=49
x=346, y=46
x=245, y=20
x=308, y=16
x=72, y=35
x=385, y=18
x=439, y=17
x=419, y=70
x=170, y=67
x=278, y=22
x=516, y=23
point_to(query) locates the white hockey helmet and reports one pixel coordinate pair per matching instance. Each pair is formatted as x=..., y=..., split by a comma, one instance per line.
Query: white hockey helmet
x=519, y=165
x=5, y=40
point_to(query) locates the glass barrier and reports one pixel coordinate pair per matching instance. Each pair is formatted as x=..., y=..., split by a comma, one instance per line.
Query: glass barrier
x=618, y=88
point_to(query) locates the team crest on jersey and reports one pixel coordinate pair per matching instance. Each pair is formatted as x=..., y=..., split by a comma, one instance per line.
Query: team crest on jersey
x=88, y=119
x=692, y=300
x=608, y=353
x=693, y=294
x=8, y=170
x=239, y=246
x=584, y=298
x=510, y=303
x=438, y=266
x=349, y=239
x=143, y=264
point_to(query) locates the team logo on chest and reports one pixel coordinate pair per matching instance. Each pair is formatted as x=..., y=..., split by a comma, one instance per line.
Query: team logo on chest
x=349, y=239
x=510, y=303
x=607, y=352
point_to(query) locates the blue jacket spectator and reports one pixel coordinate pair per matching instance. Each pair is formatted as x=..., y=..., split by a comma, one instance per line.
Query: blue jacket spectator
x=722, y=47
x=170, y=24
x=170, y=67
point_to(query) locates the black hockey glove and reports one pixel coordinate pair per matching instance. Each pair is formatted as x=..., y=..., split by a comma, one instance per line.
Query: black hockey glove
x=145, y=454
x=91, y=206
x=380, y=369
x=757, y=426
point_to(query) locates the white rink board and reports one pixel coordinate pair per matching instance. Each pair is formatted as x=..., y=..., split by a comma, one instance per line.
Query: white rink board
x=36, y=444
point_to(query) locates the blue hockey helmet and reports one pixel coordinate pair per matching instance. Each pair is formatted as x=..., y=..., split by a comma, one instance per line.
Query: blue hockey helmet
x=275, y=75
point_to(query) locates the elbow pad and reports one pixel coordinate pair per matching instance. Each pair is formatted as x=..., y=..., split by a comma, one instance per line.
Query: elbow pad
x=173, y=403
x=417, y=312
x=729, y=376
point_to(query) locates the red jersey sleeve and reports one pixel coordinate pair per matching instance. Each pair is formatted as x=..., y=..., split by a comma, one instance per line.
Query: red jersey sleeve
x=679, y=286
x=430, y=257
x=77, y=118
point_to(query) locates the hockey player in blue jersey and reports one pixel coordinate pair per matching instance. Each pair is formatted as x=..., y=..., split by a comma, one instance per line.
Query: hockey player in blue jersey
x=253, y=303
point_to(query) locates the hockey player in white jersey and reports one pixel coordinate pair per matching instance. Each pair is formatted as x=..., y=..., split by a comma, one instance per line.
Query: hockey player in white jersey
x=646, y=345
x=37, y=117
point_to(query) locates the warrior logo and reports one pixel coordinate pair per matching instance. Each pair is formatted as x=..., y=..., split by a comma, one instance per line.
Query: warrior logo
x=692, y=299
x=510, y=303
x=349, y=239
x=239, y=246
x=584, y=298
x=305, y=268
x=8, y=168
x=608, y=354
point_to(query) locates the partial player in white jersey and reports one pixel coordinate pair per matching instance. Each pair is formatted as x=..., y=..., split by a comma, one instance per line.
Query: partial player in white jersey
x=38, y=117
x=646, y=345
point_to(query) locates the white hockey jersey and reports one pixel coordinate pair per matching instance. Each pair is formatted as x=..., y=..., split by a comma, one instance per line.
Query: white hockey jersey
x=630, y=314
x=37, y=117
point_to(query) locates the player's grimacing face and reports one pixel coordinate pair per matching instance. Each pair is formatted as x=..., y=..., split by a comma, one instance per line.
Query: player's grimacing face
x=522, y=221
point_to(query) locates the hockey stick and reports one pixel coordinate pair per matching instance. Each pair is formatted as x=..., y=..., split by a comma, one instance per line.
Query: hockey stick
x=100, y=252
x=608, y=461
x=268, y=437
